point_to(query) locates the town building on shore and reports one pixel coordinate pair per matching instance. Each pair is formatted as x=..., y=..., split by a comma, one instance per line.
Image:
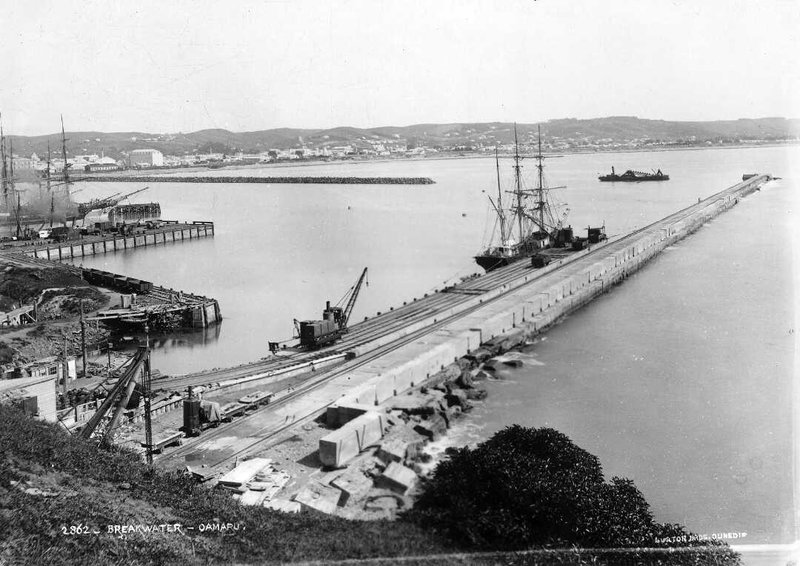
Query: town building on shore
x=146, y=158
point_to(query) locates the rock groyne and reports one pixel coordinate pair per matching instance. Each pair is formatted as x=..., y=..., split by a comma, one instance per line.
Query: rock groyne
x=323, y=180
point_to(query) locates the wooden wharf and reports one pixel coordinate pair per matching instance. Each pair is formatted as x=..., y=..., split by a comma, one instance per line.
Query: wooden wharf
x=171, y=231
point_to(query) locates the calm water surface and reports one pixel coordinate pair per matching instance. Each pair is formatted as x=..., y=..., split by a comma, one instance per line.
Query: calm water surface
x=680, y=379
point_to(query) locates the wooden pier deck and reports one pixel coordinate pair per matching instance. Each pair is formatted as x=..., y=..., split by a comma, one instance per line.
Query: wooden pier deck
x=172, y=231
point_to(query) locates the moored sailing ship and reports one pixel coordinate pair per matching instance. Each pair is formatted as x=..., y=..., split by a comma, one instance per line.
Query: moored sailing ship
x=524, y=228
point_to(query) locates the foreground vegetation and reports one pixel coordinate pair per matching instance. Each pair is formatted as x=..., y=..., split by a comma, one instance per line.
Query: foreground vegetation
x=56, y=491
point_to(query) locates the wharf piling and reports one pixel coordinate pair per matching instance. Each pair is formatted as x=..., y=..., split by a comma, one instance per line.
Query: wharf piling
x=172, y=231
x=161, y=307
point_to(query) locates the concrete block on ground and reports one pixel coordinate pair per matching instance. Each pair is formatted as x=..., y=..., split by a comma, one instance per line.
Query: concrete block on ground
x=244, y=472
x=369, y=428
x=397, y=478
x=392, y=451
x=353, y=485
x=433, y=428
x=413, y=404
x=252, y=497
x=319, y=497
x=344, y=444
x=344, y=412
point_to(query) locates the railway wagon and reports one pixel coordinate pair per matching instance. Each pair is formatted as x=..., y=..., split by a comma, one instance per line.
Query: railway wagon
x=317, y=333
x=116, y=282
x=232, y=410
x=256, y=400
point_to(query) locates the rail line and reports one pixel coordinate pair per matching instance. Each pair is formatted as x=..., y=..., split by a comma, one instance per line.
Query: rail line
x=513, y=277
x=361, y=334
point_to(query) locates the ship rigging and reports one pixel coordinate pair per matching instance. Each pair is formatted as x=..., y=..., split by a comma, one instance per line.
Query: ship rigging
x=525, y=228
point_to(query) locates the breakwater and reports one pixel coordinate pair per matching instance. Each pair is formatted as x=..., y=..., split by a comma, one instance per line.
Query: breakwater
x=510, y=320
x=526, y=310
x=263, y=180
x=93, y=245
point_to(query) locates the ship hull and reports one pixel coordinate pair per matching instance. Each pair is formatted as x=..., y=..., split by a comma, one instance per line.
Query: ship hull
x=632, y=179
x=490, y=262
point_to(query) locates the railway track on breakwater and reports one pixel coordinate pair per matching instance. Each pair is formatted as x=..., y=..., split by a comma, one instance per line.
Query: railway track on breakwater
x=273, y=429
x=460, y=297
x=321, y=180
x=267, y=426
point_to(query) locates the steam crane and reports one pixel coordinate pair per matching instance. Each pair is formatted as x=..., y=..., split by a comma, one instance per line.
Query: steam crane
x=99, y=204
x=317, y=333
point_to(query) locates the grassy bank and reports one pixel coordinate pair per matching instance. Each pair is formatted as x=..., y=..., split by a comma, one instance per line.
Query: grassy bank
x=66, y=501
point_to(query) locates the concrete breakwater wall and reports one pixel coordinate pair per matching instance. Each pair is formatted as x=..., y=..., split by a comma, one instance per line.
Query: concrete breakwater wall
x=519, y=315
x=325, y=180
x=104, y=244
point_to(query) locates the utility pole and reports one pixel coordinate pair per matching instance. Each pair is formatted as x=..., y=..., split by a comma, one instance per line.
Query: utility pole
x=83, y=340
x=148, y=425
x=109, y=359
x=65, y=368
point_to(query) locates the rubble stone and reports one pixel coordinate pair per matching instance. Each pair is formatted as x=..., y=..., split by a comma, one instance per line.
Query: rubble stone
x=397, y=478
x=319, y=497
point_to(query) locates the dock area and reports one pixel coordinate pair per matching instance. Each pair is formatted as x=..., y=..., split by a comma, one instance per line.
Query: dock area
x=140, y=302
x=162, y=308
x=321, y=180
x=171, y=231
x=391, y=354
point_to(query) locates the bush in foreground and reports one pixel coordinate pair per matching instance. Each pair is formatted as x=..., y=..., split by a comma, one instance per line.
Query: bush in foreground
x=99, y=487
x=528, y=488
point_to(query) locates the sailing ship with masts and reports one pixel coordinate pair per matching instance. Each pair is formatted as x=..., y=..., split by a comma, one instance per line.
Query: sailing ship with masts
x=531, y=221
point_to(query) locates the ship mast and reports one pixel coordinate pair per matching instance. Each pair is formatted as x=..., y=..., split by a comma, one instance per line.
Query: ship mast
x=64, y=154
x=518, y=184
x=500, y=212
x=540, y=191
x=47, y=170
x=11, y=182
x=540, y=188
x=4, y=171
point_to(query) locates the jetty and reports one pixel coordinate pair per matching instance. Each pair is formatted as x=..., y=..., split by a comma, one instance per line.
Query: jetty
x=391, y=354
x=141, y=302
x=321, y=180
x=171, y=231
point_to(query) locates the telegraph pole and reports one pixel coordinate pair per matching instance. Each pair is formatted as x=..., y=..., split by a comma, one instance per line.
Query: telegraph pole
x=148, y=425
x=109, y=360
x=65, y=369
x=83, y=340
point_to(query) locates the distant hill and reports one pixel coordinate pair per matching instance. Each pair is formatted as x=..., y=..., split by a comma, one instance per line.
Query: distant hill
x=619, y=129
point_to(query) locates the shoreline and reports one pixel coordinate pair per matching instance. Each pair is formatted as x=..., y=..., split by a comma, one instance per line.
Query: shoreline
x=359, y=161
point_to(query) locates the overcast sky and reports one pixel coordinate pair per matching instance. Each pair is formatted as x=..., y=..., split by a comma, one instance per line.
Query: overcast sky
x=169, y=66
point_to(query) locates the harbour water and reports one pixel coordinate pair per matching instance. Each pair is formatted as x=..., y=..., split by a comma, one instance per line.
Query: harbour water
x=680, y=379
